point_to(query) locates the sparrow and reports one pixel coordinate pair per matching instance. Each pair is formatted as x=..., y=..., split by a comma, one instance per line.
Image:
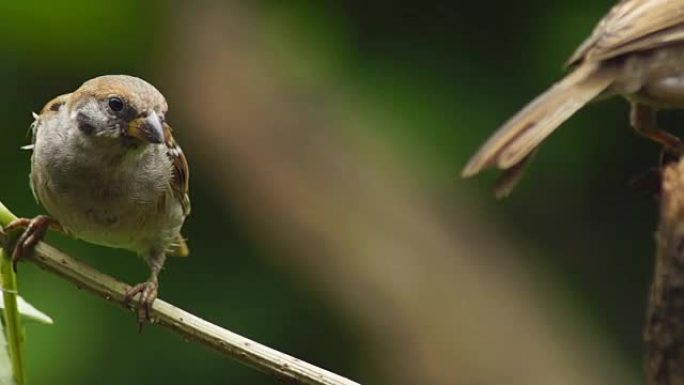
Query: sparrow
x=106, y=168
x=636, y=50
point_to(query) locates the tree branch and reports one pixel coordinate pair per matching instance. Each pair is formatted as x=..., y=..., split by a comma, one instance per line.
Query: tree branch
x=187, y=325
x=664, y=330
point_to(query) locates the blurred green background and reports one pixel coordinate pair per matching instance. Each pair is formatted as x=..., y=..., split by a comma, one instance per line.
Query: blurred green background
x=325, y=140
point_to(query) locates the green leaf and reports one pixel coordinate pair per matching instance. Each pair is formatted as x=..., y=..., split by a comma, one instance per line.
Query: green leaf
x=5, y=363
x=28, y=312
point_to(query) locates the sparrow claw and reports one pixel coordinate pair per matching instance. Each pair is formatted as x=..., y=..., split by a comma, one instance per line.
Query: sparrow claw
x=34, y=232
x=148, y=293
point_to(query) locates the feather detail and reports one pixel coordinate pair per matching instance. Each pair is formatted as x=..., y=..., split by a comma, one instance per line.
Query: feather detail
x=32, y=131
x=180, y=180
x=179, y=248
x=509, y=178
x=50, y=108
x=518, y=137
x=630, y=26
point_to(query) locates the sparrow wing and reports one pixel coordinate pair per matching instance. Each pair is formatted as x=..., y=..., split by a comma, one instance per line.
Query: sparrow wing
x=181, y=173
x=633, y=25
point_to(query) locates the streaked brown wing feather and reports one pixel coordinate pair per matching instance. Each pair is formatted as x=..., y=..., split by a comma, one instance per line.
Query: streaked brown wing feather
x=668, y=36
x=632, y=25
x=530, y=126
x=181, y=173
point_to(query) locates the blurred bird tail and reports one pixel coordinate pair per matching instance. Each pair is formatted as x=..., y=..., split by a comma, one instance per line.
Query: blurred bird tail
x=511, y=145
x=179, y=248
x=510, y=177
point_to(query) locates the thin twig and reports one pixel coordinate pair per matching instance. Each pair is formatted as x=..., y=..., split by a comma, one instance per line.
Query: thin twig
x=664, y=331
x=187, y=325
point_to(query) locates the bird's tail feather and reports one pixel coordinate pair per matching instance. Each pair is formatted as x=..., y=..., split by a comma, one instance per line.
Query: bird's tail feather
x=518, y=137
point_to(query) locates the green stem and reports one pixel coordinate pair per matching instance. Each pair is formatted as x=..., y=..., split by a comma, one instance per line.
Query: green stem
x=6, y=216
x=8, y=280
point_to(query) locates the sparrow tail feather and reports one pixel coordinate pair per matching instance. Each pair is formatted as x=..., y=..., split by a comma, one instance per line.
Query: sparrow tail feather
x=518, y=137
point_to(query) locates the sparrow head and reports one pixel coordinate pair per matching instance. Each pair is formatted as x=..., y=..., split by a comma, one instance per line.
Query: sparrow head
x=119, y=107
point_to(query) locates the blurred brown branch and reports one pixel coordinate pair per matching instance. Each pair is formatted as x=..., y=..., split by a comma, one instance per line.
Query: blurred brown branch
x=438, y=291
x=187, y=325
x=664, y=332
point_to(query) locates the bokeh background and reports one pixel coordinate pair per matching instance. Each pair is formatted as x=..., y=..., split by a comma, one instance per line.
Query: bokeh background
x=325, y=140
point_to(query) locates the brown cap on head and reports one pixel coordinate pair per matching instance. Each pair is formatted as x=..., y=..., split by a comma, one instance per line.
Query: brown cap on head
x=138, y=102
x=138, y=94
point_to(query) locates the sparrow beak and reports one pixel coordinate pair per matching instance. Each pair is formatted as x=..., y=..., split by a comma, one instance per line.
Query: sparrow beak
x=147, y=128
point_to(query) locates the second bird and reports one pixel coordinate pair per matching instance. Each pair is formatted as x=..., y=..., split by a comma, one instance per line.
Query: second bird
x=636, y=50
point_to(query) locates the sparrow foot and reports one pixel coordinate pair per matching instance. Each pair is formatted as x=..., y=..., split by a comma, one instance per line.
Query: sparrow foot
x=34, y=232
x=148, y=293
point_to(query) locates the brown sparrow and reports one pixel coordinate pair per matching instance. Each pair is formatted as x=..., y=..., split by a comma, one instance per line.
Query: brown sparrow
x=107, y=169
x=637, y=51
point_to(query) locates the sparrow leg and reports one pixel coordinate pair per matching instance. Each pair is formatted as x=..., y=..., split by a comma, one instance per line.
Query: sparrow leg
x=147, y=290
x=642, y=118
x=34, y=232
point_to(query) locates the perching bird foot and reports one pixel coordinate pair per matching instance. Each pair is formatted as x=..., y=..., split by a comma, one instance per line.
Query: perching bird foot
x=34, y=232
x=148, y=293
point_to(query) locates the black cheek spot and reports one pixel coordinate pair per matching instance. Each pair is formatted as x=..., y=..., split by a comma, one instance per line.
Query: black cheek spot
x=84, y=123
x=86, y=128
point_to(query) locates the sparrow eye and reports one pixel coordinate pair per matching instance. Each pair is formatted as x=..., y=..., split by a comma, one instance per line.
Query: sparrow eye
x=115, y=103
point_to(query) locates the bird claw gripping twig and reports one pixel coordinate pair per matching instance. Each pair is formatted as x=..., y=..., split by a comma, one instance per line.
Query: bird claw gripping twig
x=34, y=232
x=148, y=293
